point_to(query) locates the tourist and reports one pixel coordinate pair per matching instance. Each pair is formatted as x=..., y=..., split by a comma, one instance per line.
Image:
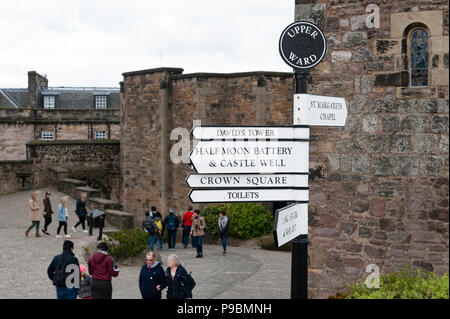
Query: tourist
x=102, y=268
x=35, y=216
x=48, y=212
x=81, y=212
x=59, y=270
x=159, y=234
x=85, y=285
x=152, y=279
x=223, y=230
x=187, y=225
x=154, y=213
x=198, y=231
x=171, y=223
x=62, y=217
x=150, y=227
x=177, y=280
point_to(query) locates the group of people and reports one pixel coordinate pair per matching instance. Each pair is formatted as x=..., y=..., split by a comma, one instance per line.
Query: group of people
x=193, y=224
x=72, y=280
x=61, y=215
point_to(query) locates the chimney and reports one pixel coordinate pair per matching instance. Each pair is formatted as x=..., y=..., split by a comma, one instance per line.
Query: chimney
x=35, y=83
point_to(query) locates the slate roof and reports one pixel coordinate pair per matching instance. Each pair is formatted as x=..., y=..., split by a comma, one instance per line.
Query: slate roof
x=13, y=98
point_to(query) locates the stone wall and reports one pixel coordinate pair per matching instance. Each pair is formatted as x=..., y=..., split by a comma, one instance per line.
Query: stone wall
x=16, y=176
x=379, y=192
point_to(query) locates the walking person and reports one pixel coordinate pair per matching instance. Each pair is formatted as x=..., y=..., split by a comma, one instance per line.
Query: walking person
x=198, y=231
x=62, y=217
x=85, y=285
x=171, y=223
x=152, y=279
x=102, y=268
x=159, y=234
x=223, y=229
x=148, y=224
x=177, y=280
x=187, y=225
x=59, y=270
x=35, y=216
x=81, y=212
x=48, y=212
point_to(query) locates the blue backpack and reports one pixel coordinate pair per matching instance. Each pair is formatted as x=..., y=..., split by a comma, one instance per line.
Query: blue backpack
x=171, y=223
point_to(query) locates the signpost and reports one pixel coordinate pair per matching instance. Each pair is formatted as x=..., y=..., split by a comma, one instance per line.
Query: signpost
x=218, y=157
x=271, y=163
x=250, y=132
x=249, y=195
x=290, y=222
x=247, y=180
x=319, y=110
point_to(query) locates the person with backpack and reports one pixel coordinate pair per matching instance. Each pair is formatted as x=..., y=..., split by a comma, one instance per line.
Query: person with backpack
x=81, y=212
x=48, y=212
x=152, y=279
x=223, y=230
x=102, y=268
x=85, y=285
x=198, y=231
x=148, y=224
x=159, y=234
x=59, y=270
x=171, y=223
x=154, y=213
x=179, y=282
x=187, y=225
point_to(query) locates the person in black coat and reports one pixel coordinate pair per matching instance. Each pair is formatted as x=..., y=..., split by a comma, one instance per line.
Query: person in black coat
x=177, y=280
x=152, y=279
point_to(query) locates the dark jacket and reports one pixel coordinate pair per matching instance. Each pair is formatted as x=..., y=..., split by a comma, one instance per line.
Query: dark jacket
x=101, y=267
x=178, y=288
x=80, y=210
x=166, y=221
x=66, y=257
x=47, y=207
x=149, y=279
x=149, y=224
x=85, y=287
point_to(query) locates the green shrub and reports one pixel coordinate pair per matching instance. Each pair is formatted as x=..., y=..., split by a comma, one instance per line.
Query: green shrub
x=404, y=284
x=246, y=220
x=127, y=243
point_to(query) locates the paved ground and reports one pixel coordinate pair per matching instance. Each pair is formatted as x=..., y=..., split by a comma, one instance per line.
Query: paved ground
x=243, y=273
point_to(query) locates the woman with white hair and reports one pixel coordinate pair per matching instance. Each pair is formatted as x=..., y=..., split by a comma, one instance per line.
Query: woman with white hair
x=35, y=216
x=62, y=217
x=177, y=280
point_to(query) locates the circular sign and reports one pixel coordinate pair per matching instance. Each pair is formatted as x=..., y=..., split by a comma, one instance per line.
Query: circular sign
x=302, y=45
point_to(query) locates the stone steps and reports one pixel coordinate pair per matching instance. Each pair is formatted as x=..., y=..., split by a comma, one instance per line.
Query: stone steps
x=102, y=203
x=68, y=185
x=91, y=192
x=119, y=218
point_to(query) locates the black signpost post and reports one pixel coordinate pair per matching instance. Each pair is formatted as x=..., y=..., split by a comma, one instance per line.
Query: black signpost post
x=302, y=45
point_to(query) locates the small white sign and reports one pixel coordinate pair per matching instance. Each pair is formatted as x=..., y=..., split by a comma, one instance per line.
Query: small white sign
x=226, y=157
x=317, y=110
x=290, y=222
x=249, y=132
x=246, y=180
x=248, y=195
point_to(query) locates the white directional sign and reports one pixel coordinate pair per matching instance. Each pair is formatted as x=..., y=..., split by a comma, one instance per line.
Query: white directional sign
x=219, y=157
x=249, y=132
x=290, y=222
x=247, y=180
x=317, y=110
x=248, y=195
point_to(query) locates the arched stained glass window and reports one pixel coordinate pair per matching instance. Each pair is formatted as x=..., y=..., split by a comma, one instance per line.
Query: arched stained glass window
x=418, y=43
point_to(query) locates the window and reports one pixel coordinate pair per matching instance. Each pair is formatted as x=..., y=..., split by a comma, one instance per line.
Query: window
x=47, y=135
x=49, y=101
x=101, y=102
x=100, y=135
x=418, y=44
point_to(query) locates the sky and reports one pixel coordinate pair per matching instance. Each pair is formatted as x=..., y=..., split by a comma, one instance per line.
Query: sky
x=92, y=42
